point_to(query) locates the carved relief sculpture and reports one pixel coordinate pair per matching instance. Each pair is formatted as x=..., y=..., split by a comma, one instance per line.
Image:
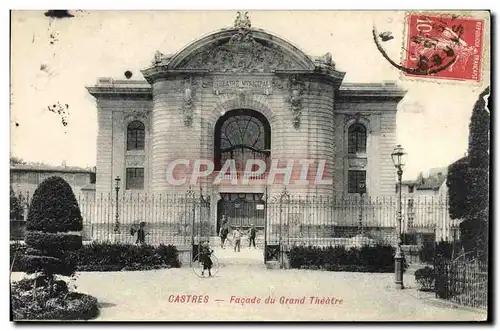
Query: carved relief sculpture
x=187, y=107
x=157, y=58
x=241, y=53
x=296, y=88
x=242, y=22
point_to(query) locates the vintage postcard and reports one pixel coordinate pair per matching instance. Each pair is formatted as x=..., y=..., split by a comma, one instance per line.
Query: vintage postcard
x=250, y=165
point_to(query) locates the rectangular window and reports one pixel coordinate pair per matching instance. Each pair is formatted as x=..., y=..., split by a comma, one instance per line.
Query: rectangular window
x=135, y=179
x=92, y=177
x=356, y=181
x=411, y=188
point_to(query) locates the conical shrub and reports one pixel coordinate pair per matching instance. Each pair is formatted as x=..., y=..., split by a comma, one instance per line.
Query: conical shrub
x=54, y=217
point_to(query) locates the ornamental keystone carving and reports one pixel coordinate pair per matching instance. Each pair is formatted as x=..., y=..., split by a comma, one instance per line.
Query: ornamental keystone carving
x=188, y=103
x=296, y=87
x=241, y=53
x=356, y=117
x=135, y=115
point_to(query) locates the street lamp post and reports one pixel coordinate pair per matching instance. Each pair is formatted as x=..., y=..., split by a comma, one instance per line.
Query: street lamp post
x=398, y=158
x=362, y=190
x=117, y=215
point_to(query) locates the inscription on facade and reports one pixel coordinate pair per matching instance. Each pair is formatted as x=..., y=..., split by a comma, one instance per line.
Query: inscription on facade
x=232, y=85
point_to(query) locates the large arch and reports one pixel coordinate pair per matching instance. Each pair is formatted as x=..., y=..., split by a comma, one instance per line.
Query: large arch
x=223, y=36
x=244, y=132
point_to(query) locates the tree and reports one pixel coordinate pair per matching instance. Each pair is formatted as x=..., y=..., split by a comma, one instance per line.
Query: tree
x=53, y=213
x=16, y=207
x=16, y=160
x=479, y=134
x=456, y=181
x=474, y=229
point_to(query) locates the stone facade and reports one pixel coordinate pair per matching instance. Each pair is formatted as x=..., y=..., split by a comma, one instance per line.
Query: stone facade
x=308, y=109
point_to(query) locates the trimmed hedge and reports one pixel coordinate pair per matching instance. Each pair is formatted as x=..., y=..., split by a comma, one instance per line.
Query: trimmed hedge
x=54, y=212
x=378, y=258
x=110, y=257
x=34, y=263
x=53, y=242
x=54, y=208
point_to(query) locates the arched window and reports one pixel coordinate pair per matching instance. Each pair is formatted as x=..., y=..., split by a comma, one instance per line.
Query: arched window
x=357, y=138
x=135, y=136
x=241, y=135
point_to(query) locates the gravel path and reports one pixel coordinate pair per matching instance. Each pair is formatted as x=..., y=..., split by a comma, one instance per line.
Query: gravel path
x=147, y=296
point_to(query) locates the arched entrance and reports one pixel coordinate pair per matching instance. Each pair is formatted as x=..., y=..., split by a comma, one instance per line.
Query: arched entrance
x=242, y=135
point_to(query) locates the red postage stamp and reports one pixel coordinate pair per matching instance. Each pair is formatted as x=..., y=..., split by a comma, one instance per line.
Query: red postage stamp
x=444, y=46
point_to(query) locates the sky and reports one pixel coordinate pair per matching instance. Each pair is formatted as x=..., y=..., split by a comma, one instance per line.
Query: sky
x=52, y=60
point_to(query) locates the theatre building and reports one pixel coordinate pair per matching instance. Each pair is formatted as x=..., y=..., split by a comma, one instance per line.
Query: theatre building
x=243, y=93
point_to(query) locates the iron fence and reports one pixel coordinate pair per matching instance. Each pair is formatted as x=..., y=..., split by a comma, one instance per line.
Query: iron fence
x=284, y=219
x=463, y=280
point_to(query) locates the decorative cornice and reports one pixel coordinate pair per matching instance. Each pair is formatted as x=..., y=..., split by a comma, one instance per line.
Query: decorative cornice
x=121, y=92
x=365, y=92
x=333, y=77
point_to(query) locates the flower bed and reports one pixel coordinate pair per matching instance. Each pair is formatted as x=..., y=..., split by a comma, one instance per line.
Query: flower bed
x=50, y=302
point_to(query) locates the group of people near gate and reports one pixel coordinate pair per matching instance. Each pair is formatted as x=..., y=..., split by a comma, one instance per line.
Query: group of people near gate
x=236, y=235
x=224, y=233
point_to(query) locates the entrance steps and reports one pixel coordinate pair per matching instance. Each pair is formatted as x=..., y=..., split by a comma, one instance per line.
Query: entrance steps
x=245, y=257
x=215, y=242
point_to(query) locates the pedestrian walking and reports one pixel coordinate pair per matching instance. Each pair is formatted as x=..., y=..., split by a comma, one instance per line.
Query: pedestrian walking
x=237, y=239
x=141, y=234
x=251, y=238
x=224, y=231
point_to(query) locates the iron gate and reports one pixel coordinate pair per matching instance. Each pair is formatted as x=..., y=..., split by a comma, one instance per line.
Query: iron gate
x=277, y=218
x=199, y=213
x=242, y=210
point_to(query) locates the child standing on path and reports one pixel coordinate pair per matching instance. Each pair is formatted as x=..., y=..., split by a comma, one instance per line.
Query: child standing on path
x=237, y=239
x=205, y=259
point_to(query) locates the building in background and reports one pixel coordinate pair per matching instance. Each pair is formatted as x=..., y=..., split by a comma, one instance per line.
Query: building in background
x=425, y=207
x=243, y=93
x=25, y=178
